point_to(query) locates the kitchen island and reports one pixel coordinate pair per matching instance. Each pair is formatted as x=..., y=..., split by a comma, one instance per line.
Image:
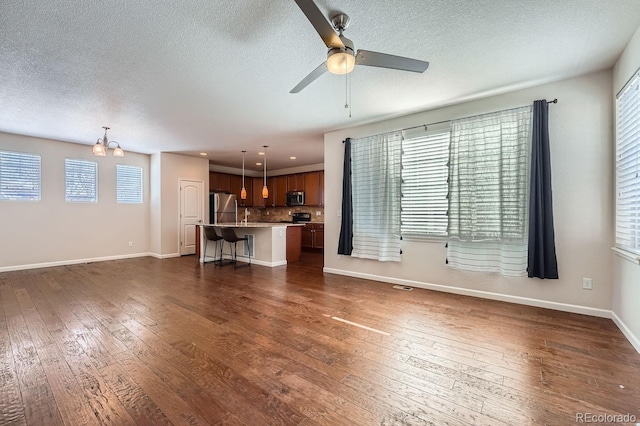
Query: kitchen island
x=274, y=244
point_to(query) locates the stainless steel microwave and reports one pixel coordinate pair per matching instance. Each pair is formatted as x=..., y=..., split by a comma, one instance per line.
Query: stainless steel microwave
x=295, y=198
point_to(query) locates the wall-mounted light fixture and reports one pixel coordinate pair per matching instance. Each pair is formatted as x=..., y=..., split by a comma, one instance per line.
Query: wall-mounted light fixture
x=102, y=146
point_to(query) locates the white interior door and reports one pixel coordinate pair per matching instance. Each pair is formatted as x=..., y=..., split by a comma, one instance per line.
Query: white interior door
x=191, y=213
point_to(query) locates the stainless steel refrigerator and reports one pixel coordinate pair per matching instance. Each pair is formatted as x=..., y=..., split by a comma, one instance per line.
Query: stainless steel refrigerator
x=222, y=207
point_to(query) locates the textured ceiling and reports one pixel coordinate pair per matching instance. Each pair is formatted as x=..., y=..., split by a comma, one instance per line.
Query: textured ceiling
x=214, y=76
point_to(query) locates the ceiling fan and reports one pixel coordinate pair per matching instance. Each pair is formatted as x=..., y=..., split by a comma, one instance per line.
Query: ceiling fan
x=341, y=58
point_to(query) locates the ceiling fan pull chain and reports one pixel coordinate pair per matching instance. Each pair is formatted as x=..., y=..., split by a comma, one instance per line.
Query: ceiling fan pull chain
x=346, y=88
x=350, y=86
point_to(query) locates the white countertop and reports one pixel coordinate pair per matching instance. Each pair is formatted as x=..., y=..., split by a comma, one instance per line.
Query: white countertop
x=253, y=225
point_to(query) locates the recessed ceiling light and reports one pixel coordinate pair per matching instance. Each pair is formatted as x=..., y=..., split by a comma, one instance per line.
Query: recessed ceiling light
x=292, y=158
x=203, y=153
x=261, y=153
x=258, y=164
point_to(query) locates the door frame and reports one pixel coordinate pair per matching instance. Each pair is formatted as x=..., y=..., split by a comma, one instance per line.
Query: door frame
x=202, y=213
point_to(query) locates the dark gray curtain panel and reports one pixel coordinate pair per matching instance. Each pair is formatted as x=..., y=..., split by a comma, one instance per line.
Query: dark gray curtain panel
x=345, y=243
x=542, y=262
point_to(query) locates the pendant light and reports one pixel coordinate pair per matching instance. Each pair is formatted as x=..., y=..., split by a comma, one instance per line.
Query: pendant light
x=243, y=193
x=102, y=145
x=265, y=190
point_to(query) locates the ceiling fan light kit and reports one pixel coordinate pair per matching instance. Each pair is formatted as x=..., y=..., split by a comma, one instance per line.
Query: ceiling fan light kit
x=341, y=58
x=339, y=62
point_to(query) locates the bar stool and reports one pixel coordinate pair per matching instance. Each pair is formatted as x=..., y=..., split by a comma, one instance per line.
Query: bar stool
x=230, y=236
x=211, y=235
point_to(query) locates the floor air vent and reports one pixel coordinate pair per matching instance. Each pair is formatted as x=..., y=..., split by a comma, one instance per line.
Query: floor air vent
x=403, y=287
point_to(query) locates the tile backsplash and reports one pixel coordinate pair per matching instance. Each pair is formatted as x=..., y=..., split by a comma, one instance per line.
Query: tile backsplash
x=277, y=214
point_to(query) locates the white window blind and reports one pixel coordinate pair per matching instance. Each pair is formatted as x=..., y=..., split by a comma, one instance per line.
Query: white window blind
x=81, y=180
x=376, y=186
x=489, y=176
x=19, y=176
x=488, y=192
x=424, y=183
x=128, y=184
x=628, y=167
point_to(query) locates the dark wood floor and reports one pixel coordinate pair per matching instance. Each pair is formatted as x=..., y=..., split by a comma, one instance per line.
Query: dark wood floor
x=147, y=341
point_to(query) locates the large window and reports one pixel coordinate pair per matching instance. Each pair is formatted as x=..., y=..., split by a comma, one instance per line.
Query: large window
x=628, y=167
x=376, y=163
x=424, y=182
x=128, y=184
x=81, y=181
x=19, y=176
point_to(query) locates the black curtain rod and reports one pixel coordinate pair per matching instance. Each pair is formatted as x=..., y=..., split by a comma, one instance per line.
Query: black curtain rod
x=554, y=101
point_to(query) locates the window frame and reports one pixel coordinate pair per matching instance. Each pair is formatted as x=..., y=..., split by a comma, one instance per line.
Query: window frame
x=429, y=131
x=141, y=183
x=39, y=177
x=67, y=198
x=631, y=150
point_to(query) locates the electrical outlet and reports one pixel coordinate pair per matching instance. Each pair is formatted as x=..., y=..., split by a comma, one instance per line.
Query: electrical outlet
x=318, y=212
x=587, y=284
x=130, y=243
x=289, y=212
x=267, y=212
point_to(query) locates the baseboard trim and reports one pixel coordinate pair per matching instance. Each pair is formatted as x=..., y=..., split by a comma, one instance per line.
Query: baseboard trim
x=566, y=307
x=72, y=262
x=632, y=338
x=164, y=256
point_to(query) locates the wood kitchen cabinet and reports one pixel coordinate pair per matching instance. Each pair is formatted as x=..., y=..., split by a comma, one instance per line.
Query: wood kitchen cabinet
x=295, y=182
x=294, y=235
x=311, y=182
x=277, y=186
x=281, y=191
x=236, y=188
x=256, y=191
x=314, y=188
x=219, y=182
x=313, y=236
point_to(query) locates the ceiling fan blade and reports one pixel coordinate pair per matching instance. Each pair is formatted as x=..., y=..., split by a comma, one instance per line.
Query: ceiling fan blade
x=310, y=78
x=320, y=23
x=383, y=60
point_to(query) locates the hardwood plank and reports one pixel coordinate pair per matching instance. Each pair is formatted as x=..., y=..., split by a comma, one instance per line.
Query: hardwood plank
x=26, y=364
x=142, y=409
x=102, y=400
x=71, y=402
x=11, y=403
x=176, y=409
x=40, y=406
x=149, y=341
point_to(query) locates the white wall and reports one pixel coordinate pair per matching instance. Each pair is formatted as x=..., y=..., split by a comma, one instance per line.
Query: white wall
x=155, y=203
x=172, y=168
x=626, y=274
x=53, y=231
x=581, y=155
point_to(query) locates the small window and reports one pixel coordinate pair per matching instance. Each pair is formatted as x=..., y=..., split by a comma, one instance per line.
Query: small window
x=628, y=167
x=129, y=184
x=424, y=183
x=19, y=176
x=81, y=181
